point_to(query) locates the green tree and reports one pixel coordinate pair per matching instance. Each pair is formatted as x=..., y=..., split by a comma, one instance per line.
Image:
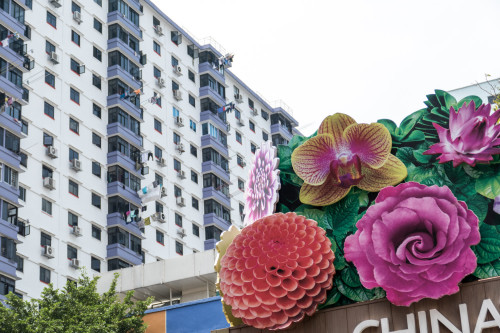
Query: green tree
x=76, y=309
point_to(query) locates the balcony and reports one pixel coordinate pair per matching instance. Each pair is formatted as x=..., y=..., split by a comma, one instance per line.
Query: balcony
x=209, y=115
x=124, y=191
x=10, y=123
x=211, y=192
x=115, y=219
x=11, y=23
x=212, y=219
x=8, y=266
x=9, y=192
x=118, y=128
x=210, y=166
x=209, y=141
x=10, y=158
x=207, y=91
x=210, y=244
x=207, y=67
x=117, y=43
x=282, y=130
x=120, y=251
x=8, y=229
x=11, y=89
x=16, y=58
x=128, y=106
x=116, y=16
x=114, y=71
x=116, y=157
x=135, y=5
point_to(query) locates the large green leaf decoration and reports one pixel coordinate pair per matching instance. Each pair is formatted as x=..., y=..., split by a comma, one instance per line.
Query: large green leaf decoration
x=488, y=184
x=491, y=269
x=488, y=249
x=405, y=134
x=342, y=216
x=358, y=294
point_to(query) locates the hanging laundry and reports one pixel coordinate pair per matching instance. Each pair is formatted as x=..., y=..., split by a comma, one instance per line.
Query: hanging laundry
x=144, y=208
x=10, y=100
x=5, y=42
x=147, y=221
x=141, y=224
x=150, y=193
x=226, y=108
x=138, y=91
x=145, y=155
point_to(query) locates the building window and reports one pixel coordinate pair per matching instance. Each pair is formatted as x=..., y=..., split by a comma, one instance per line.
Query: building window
x=51, y=19
x=160, y=237
x=24, y=159
x=192, y=100
x=179, y=248
x=176, y=37
x=49, y=47
x=253, y=148
x=178, y=220
x=96, y=81
x=241, y=184
x=177, y=138
x=46, y=172
x=45, y=240
x=192, y=125
x=97, y=25
x=238, y=137
x=75, y=66
x=96, y=200
x=212, y=232
x=177, y=191
x=44, y=275
x=237, y=114
x=191, y=75
x=175, y=112
x=177, y=165
x=158, y=152
x=75, y=7
x=251, y=125
x=264, y=114
x=50, y=79
x=157, y=48
x=265, y=136
x=158, y=207
x=96, y=169
x=251, y=104
x=96, y=140
x=72, y=252
x=96, y=110
x=240, y=161
x=95, y=264
x=97, y=54
x=195, y=203
x=96, y=232
x=73, y=188
x=196, y=230
x=157, y=125
x=74, y=126
x=72, y=219
x=24, y=127
x=74, y=96
x=194, y=176
x=194, y=151
x=158, y=179
x=156, y=72
x=73, y=155
x=99, y=2
x=48, y=110
x=75, y=37
x=20, y=263
x=46, y=206
x=22, y=193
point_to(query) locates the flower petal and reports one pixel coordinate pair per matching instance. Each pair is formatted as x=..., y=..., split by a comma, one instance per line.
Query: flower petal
x=372, y=143
x=311, y=160
x=322, y=195
x=391, y=173
x=335, y=125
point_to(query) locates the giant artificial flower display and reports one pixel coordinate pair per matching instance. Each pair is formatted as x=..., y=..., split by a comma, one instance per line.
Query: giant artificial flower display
x=472, y=137
x=261, y=192
x=345, y=154
x=415, y=243
x=276, y=271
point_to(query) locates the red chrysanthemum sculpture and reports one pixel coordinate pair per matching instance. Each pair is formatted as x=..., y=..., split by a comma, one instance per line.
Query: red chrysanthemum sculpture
x=277, y=270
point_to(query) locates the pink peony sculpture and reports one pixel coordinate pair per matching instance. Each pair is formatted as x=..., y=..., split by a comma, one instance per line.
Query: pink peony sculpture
x=277, y=270
x=472, y=136
x=261, y=193
x=414, y=243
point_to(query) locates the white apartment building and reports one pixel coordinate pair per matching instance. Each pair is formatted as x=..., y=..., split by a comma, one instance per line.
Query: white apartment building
x=87, y=90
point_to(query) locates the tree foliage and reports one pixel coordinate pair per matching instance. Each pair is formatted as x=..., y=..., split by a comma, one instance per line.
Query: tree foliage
x=76, y=308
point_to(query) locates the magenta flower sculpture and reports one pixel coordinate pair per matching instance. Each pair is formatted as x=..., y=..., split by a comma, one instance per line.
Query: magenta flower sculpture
x=277, y=270
x=342, y=155
x=472, y=137
x=415, y=243
x=261, y=193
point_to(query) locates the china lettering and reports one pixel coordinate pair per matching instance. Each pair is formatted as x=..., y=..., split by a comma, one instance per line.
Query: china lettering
x=436, y=318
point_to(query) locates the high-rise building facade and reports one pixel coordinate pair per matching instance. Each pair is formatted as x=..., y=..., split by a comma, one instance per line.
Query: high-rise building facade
x=122, y=139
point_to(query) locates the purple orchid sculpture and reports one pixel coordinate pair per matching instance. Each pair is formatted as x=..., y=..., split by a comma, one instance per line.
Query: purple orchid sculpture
x=263, y=184
x=471, y=138
x=496, y=205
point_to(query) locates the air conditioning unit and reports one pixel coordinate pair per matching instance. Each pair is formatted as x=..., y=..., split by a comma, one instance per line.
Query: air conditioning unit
x=77, y=16
x=181, y=174
x=75, y=263
x=180, y=201
x=238, y=98
x=180, y=148
x=163, y=192
x=179, y=122
x=181, y=232
x=177, y=70
x=48, y=251
x=161, y=161
x=56, y=3
x=54, y=57
x=160, y=82
x=158, y=30
x=51, y=152
x=76, y=231
x=76, y=164
x=159, y=216
x=49, y=182
x=254, y=111
x=240, y=122
x=177, y=94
